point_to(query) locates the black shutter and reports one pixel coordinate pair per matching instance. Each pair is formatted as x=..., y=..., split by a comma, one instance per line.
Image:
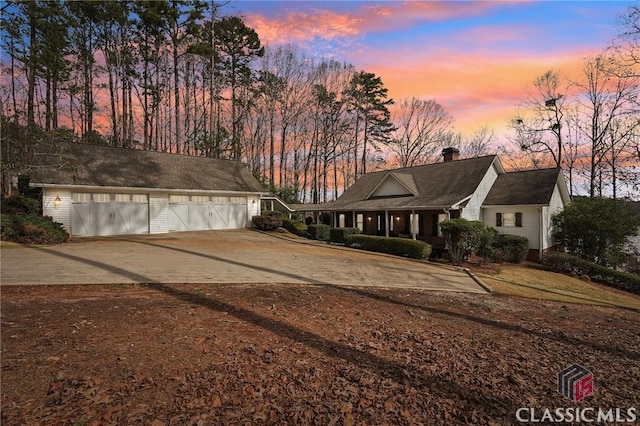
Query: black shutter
x=498, y=219
x=519, y=220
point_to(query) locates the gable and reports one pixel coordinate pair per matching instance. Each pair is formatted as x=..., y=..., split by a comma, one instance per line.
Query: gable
x=529, y=187
x=393, y=185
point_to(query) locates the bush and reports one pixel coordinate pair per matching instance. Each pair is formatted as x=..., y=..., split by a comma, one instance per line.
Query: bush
x=273, y=213
x=566, y=263
x=510, y=248
x=319, y=232
x=397, y=246
x=20, y=204
x=340, y=235
x=31, y=229
x=266, y=223
x=295, y=227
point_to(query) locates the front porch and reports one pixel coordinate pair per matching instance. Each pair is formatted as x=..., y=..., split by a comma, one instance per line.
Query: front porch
x=416, y=224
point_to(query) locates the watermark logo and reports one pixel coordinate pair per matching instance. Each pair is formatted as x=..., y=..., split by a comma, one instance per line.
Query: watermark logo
x=575, y=382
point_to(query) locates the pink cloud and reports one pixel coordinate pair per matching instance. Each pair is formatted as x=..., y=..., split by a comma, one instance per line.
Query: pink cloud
x=299, y=26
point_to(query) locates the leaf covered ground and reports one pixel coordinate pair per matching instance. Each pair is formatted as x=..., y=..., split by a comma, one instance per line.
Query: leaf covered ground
x=256, y=354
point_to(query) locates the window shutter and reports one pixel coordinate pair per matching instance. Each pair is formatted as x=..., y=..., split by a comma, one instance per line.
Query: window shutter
x=519, y=220
x=498, y=219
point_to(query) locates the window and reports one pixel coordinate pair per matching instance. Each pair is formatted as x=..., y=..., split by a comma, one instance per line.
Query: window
x=220, y=200
x=101, y=198
x=81, y=197
x=122, y=198
x=199, y=199
x=509, y=219
x=139, y=198
x=178, y=199
x=391, y=223
x=360, y=222
x=341, y=220
x=237, y=200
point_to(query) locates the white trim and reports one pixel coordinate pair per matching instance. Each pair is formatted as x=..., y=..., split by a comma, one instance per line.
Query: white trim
x=384, y=179
x=457, y=205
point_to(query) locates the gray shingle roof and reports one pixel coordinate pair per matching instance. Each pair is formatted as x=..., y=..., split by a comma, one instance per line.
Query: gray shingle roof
x=96, y=165
x=529, y=187
x=438, y=185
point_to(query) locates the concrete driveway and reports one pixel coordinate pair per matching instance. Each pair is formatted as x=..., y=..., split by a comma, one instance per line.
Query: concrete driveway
x=240, y=256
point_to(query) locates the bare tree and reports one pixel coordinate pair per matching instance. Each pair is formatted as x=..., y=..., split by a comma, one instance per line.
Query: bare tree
x=420, y=129
x=539, y=128
x=609, y=95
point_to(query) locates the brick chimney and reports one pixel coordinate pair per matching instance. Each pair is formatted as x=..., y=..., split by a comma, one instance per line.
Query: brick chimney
x=450, y=154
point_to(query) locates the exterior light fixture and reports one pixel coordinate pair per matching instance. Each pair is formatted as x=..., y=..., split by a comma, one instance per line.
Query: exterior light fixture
x=57, y=202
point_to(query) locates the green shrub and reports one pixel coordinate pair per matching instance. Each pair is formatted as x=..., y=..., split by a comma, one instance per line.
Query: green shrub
x=31, y=229
x=20, y=204
x=319, y=232
x=266, y=223
x=510, y=248
x=295, y=227
x=566, y=263
x=340, y=235
x=397, y=246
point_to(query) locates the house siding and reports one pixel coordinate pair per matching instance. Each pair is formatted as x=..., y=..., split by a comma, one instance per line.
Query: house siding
x=530, y=222
x=472, y=211
x=158, y=213
x=253, y=208
x=555, y=206
x=62, y=214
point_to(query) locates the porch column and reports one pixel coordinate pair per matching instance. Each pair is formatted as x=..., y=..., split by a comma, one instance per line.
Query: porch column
x=271, y=205
x=386, y=223
x=413, y=224
x=335, y=220
x=353, y=223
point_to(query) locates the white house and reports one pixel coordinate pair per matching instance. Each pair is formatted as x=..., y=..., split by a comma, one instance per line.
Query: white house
x=411, y=202
x=113, y=191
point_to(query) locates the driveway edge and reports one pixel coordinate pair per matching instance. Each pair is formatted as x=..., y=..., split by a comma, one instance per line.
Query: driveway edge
x=484, y=286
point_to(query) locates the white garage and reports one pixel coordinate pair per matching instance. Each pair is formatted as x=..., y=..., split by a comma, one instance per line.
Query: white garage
x=200, y=212
x=109, y=214
x=116, y=191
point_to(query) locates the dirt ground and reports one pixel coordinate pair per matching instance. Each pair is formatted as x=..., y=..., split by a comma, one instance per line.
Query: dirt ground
x=270, y=354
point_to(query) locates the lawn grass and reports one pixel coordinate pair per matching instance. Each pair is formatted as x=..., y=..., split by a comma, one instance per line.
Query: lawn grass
x=543, y=285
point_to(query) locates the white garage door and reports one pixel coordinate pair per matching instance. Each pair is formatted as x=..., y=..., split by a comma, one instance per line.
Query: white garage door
x=109, y=214
x=202, y=212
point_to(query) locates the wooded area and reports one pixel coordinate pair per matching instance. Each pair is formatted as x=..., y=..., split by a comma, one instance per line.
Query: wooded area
x=181, y=76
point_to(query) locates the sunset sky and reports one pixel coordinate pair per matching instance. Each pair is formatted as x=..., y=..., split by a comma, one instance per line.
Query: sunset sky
x=474, y=58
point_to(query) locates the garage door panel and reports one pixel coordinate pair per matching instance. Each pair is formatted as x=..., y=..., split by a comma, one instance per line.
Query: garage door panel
x=139, y=219
x=102, y=218
x=178, y=217
x=198, y=217
x=220, y=216
x=81, y=219
x=237, y=215
x=120, y=219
